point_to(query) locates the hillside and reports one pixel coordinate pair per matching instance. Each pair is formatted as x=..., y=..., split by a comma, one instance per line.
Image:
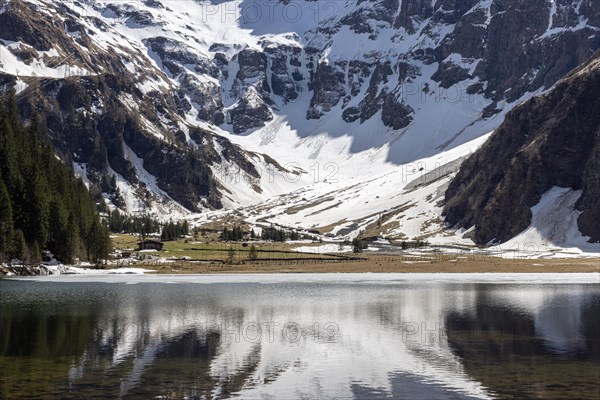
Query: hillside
x=43, y=206
x=549, y=141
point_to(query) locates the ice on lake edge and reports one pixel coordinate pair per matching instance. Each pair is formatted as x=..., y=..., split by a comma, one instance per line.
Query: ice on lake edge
x=104, y=276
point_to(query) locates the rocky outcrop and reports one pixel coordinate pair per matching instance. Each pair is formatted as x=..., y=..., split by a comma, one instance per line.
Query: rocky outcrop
x=525, y=52
x=252, y=88
x=24, y=270
x=285, y=63
x=551, y=140
x=179, y=61
x=250, y=112
x=328, y=88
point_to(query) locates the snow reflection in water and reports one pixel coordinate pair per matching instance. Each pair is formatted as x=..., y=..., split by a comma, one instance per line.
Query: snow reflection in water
x=298, y=339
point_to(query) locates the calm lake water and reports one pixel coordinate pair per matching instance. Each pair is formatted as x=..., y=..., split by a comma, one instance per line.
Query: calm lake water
x=168, y=338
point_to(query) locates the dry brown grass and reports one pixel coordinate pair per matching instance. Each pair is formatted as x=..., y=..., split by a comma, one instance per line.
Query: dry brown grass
x=387, y=264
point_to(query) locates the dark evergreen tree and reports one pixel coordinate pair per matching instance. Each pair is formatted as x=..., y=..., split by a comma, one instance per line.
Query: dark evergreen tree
x=358, y=245
x=98, y=245
x=21, y=251
x=38, y=211
x=6, y=221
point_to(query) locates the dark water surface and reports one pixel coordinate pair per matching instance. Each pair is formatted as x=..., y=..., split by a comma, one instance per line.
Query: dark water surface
x=135, y=339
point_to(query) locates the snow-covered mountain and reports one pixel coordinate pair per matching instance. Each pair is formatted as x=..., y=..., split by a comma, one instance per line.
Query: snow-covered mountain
x=340, y=116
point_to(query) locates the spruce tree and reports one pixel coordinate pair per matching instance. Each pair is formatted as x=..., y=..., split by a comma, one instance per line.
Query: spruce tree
x=35, y=253
x=20, y=252
x=60, y=242
x=6, y=221
x=38, y=211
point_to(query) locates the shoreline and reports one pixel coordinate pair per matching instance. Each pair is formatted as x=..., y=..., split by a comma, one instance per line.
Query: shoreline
x=588, y=279
x=367, y=265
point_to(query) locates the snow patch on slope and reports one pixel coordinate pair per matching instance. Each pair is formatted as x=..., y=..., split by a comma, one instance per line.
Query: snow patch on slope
x=554, y=227
x=13, y=65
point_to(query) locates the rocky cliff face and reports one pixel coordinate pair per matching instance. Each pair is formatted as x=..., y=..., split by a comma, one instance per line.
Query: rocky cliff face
x=115, y=77
x=500, y=49
x=550, y=140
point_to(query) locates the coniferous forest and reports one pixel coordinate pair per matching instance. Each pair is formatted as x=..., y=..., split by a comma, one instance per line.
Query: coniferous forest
x=174, y=230
x=122, y=223
x=43, y=206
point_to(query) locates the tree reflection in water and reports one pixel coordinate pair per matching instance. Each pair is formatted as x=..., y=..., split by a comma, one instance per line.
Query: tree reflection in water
x=100, y=340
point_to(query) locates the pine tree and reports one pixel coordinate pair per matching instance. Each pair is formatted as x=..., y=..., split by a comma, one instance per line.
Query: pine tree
x=36, y=252
x=60, y=243
x=38, y=211
x=21, y=252
x=99, y=242
x=73, y=240
x=6, y=221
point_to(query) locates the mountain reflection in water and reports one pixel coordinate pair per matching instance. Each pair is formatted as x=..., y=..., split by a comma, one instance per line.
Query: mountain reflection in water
x=298, y=340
